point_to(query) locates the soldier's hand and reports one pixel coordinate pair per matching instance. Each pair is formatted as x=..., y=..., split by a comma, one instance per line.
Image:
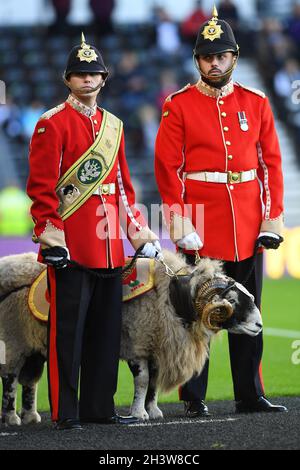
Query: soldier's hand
x=56, y=256
x=191, y=241
x=152, y=250
x=269, y=240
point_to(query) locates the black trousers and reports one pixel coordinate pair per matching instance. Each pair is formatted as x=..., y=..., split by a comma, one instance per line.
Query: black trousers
x=83, y=339
x=245, y=351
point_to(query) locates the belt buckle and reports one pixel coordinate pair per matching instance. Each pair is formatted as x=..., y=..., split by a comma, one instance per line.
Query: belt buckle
x=105, y=189
x=234, y=177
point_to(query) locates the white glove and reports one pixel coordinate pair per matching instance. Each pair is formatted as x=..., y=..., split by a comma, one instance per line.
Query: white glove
x=191, y=241
x=152, y=250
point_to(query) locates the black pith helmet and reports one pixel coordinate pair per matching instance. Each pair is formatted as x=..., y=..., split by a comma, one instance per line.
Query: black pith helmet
x=85, y=58
x=215, y=36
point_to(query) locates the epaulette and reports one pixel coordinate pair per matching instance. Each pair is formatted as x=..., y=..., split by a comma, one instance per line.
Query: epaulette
x=252, y=90
x=53, y=111
x=186, y=87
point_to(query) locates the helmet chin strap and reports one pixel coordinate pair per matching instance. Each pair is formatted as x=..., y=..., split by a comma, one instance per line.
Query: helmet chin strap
x=79, y=91
x=222, y=78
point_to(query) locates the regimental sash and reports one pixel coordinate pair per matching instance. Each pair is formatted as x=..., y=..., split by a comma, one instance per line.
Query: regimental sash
x=91, y=169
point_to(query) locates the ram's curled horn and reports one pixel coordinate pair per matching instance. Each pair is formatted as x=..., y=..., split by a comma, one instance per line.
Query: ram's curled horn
x=216, y=313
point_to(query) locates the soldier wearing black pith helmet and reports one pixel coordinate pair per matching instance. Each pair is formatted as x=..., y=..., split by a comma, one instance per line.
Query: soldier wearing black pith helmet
x=81, y=190
x=216, y=37
x=85, y=58
x=217, y=151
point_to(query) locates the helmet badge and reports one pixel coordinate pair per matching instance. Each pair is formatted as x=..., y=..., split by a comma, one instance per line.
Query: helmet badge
x=86, y=54
x=213, y=30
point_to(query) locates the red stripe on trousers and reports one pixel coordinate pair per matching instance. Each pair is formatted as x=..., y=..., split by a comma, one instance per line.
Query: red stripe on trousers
x=261, y=377
x=260, y=365
x=53, y=366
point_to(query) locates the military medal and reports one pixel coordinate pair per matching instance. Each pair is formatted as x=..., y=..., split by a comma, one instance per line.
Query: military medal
x=243, y=121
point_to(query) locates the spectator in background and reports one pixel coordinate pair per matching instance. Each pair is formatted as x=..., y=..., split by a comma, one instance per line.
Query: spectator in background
x=130, y=81
x=284, y=78
x=127, y=67
x=30, y=116
x=62, y=9
x=149, y=122
x=168, y=85
x=102, y=11
x=293, y=25
x=190, y=26
x=167, y=33
x=10, y=120
x=244, y=34
x=229, y=12
x=14, y=212
x=273, y=47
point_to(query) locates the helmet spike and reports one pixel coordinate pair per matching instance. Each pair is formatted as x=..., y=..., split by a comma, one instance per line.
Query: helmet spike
x=82, y=40
x=215, y=12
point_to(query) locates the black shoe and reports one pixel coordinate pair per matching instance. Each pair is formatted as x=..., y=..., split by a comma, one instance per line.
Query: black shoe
x=260, y=405
x=115, y=419
x=68, y=424
x=195, y=409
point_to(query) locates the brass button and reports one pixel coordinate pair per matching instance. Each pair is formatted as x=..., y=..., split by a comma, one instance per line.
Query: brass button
x=230, y=157
x=221, y=102
x=223, y=114
x=95, y=121
x=97, y=133
x=227, y=142
x=226, y=129
x=231, y=187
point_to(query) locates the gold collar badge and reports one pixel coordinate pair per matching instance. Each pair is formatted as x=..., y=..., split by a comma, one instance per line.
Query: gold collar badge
x=86, y=54
x=213, y=30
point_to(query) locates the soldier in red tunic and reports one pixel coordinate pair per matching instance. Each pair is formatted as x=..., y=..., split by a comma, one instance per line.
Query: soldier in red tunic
x=217, y=155
x=80, y=187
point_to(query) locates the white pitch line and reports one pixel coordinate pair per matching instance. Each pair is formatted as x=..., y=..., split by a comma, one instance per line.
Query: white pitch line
x=4, y=434
x=194, y=421
x=281, y=333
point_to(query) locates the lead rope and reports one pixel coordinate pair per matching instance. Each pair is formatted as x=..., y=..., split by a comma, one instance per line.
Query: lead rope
x=108, y=275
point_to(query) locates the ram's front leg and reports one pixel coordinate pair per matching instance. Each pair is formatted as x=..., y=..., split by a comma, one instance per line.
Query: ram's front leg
x=139, y=370
x=152, y=394
x=29, y=413
x=9, y=398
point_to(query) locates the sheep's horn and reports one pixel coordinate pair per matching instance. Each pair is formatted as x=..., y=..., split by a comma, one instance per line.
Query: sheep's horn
x=216, y=313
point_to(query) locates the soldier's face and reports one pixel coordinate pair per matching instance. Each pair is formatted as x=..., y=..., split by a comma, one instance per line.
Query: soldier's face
x=215, y=65
x=85, y=83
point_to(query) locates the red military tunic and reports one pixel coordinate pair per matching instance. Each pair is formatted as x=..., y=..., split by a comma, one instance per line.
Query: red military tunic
x=61, y=136
x=200, y=130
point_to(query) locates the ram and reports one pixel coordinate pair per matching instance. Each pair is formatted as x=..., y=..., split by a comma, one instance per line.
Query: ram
x=165, y=330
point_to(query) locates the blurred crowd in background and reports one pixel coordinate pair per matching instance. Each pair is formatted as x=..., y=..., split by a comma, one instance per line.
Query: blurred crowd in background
x=147, y=62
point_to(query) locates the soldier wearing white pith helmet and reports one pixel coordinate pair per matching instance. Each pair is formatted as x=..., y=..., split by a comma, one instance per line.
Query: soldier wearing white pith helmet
x=217, y=147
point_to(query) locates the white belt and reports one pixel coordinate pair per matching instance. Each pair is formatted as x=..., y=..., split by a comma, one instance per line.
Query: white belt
x=218, y=177
x=106, y=189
